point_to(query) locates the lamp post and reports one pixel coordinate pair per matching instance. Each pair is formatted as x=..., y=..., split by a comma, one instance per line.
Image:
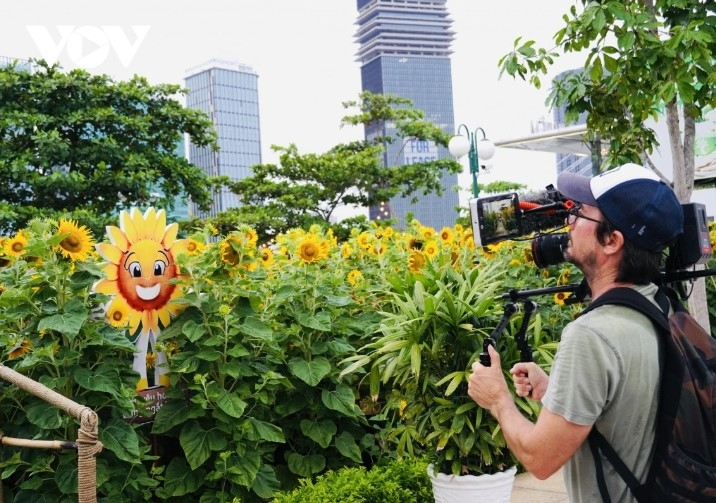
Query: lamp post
x=460, y=145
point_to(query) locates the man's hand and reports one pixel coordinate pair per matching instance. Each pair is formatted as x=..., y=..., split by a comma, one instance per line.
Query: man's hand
x=487, y=385
x=530, y=380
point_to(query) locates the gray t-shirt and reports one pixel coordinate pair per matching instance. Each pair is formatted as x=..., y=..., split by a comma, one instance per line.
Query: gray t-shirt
x=607, y=372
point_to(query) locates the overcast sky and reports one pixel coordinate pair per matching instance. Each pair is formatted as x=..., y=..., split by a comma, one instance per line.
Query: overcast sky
x=304, y=54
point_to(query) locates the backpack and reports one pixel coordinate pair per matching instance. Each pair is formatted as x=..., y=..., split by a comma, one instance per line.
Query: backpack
x=684, y=464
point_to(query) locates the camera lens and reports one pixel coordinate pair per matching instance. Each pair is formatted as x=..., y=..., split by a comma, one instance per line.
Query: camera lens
x=548, y=249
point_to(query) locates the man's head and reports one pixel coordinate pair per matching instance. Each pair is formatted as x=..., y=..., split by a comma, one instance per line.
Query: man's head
x=634, y=200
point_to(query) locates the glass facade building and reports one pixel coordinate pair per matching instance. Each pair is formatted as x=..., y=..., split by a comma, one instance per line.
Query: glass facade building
x=228, y=92
x=404, y=50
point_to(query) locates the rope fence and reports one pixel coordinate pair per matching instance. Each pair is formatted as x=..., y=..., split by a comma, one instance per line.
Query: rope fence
x=87, y=445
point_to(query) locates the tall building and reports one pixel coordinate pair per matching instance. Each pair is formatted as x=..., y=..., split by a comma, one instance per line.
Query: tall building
x=228, y=92
x=404, y=50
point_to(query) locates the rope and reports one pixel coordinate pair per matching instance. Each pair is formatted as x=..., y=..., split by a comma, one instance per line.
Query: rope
x=88, y=445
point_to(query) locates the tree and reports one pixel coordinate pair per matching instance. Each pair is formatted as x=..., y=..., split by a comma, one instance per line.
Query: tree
x=642, y=56
x=80, y=145
x=307, y=188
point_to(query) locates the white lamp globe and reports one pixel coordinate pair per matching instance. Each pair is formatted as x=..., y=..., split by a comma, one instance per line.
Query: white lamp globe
x=485, y=149
x=459, y=146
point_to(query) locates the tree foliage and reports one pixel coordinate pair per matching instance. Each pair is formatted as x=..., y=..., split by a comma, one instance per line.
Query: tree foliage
x=308, y=188
x=76, y=144
x=642, y=56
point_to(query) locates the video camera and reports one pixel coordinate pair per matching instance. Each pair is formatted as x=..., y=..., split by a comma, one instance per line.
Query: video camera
x=540, y=215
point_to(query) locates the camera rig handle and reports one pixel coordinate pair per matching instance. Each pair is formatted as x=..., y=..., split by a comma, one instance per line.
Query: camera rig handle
x=521, y=336
x=510, y=309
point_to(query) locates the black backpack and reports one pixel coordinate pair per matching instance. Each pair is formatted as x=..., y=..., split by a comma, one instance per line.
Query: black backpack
x=684, y=465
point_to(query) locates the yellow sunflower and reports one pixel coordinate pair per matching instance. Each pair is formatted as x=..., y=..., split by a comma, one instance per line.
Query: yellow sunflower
x=21, y=347
x=151, y=360
x=346, y=251
x=312, y=249
x=16, y=245
x=229, y=253
x=77, y=242
x=427, y=232
x=560, y=298
x=364, y=240
x=118, y=312
x=416, y=260
x=194, y=247
x=140, y=270
x=446, y=235
x=431, y=248
x=354, y=277
x=266, y=257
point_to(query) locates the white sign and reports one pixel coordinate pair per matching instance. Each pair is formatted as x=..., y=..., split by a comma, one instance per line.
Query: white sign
x=88, y=46
x=416, y=151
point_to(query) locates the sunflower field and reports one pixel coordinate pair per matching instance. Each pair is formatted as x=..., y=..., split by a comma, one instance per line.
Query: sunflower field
x=248, y=343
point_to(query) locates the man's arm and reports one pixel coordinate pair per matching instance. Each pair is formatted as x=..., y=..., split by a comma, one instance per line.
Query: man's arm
x=542, y=447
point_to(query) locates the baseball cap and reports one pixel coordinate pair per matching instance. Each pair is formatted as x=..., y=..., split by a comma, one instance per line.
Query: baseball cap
x=634, y=199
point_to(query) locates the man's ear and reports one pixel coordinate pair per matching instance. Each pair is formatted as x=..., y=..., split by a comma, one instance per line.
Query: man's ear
x=613, y=243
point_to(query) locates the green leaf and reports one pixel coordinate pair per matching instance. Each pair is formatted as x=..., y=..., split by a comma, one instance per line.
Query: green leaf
x=120, y=438
x=310, y=372
x=174, y=413
x=318, y=321
x=256, y=328
x=266, y=431
x=96, y=382
x=341, y=399
x=321, y=432
x=199, y=443
x=230, y=403
x=193, y=331
x=179, y=479
x=346, y=445
x=67, y=324
x=266, y=482
x=44, y=415
x=305, y=466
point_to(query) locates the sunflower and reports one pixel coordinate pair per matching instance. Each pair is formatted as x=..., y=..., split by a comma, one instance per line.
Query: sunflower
x=21, y=347
x=354, y=277
x=346, y=251
x=416, y=260
x=194, y=247
x=427, y=232
x=118, y=313
x=266, y=257
x=560, y=298
x=228, y=250
x=151, y=360
x=431, y=248
x=446, y=235
x=312, y=249
x=76, y=242
x=564, y=277
x=514, y=263
x=140, y=270
x=364, y=240
x=16, y=245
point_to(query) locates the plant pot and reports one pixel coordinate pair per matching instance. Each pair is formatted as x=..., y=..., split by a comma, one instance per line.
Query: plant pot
x=495, y=488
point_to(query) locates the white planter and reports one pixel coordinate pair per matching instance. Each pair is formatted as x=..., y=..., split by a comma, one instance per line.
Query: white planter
x=495, y=488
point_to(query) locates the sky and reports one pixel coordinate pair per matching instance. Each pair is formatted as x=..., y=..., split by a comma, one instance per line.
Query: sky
x=304, y=53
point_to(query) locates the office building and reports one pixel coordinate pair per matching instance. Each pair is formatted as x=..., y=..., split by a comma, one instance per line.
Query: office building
x=228, y=92
x=404, y=50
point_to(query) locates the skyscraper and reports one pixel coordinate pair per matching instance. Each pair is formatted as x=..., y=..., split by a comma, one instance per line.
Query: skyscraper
x=228, y=92
x=404, y=50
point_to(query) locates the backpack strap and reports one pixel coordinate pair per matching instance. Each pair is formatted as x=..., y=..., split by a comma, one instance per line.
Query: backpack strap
x=628, y=297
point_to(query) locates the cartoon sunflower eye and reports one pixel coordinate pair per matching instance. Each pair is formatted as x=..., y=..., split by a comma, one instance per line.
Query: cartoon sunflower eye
x=159, y=267
x=135, y=270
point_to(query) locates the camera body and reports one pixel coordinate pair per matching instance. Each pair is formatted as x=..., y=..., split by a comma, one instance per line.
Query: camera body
x=540, y=215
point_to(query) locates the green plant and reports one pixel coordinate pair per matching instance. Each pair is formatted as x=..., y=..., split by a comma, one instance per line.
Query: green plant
x=432, y=331
x=54, y=331
x=398, y=481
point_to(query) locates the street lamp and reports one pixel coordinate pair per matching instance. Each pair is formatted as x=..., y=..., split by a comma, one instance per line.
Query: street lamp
x=460, y=145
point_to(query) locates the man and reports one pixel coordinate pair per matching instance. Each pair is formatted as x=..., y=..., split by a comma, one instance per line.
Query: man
x=606, y=372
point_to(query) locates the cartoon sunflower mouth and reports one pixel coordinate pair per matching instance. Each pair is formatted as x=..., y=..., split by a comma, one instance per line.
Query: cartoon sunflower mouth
x=150, y=293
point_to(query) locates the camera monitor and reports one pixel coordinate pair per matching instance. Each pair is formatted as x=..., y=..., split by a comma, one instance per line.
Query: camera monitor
x=495, y=218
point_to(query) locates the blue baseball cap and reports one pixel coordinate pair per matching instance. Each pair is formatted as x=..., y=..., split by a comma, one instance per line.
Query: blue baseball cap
x=634, y=199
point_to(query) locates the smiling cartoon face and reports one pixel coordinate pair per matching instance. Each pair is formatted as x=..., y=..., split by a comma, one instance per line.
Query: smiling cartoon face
x=144, y=274
x=139, y=271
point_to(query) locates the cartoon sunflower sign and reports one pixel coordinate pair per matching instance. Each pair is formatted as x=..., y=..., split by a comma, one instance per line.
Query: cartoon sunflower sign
x=140, y=266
